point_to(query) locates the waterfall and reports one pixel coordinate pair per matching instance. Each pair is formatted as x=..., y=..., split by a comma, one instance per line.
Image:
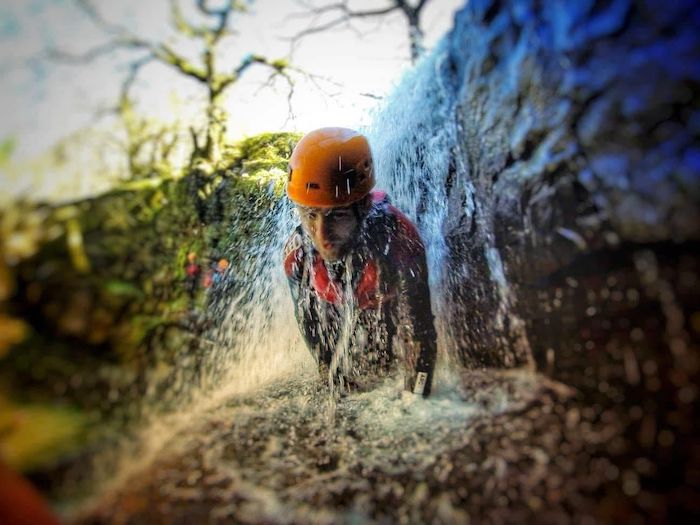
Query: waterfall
x=254, y=342
x=418, y=156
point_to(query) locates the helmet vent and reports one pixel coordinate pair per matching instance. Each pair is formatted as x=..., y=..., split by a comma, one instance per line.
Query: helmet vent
x=312, y=186
x=351, y=179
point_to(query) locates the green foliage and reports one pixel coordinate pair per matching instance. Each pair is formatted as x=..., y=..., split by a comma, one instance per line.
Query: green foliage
x=150, y=145
x=122, y=288
x=93, y=335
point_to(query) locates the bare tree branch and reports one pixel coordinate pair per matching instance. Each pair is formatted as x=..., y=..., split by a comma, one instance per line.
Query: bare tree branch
x=167, y=56
x=182, y=25
x=345, y=14
x=134, y=69
x=87, y=56
x=89, y=9
x=372, y=95
x=343, y=8
x=208, y=31
x=319, y=29
x=420, y=5
x=225, y=11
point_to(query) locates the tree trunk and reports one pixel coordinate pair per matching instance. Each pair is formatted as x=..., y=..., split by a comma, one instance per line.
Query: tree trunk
x=216, y=129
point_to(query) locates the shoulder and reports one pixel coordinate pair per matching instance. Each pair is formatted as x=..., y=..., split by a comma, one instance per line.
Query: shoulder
x=402, y=235
x=407, y=241
x=408, y=244
x=293, y=254
x=406, y=230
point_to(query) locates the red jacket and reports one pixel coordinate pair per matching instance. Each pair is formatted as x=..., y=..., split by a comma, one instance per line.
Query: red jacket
x=350, y=311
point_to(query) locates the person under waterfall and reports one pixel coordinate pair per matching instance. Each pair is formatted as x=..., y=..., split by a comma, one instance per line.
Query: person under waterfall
x=356, y=268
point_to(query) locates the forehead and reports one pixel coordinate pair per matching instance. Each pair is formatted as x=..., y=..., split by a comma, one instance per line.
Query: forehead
x=304, y=210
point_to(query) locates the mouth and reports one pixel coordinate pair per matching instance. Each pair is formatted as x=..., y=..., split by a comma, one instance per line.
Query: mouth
x=330, y=250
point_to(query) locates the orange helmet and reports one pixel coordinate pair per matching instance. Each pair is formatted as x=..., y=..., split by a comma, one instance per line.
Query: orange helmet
x=222, y=264
x=330, y=168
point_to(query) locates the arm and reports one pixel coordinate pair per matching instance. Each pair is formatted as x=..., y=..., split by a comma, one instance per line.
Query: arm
x=417, y=328
x=420, y=339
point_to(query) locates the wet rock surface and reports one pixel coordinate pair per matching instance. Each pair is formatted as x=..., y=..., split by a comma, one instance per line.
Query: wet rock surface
x=564, y=137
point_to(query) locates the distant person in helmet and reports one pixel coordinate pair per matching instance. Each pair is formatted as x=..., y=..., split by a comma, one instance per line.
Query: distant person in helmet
x=356, y=267
x=219, y=271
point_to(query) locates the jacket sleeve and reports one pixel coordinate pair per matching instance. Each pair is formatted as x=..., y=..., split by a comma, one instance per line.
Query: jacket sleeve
x=416, y=327
x=305, y=303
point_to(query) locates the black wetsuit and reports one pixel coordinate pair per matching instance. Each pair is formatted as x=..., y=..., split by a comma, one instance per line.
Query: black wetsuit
x=387, y=316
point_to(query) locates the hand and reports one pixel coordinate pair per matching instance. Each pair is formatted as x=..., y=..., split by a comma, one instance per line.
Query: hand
x=419, y=383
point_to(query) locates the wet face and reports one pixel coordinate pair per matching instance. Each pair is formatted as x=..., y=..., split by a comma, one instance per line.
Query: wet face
x=332, y=231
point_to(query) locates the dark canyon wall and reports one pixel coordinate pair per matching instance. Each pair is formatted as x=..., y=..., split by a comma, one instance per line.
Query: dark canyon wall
x=563, y=137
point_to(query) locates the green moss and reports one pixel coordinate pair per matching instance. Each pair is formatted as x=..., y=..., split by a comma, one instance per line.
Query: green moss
x=135, y=240
x=280, y=64
x=262, y=152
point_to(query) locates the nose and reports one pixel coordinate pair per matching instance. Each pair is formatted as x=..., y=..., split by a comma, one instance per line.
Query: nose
x=324, y=228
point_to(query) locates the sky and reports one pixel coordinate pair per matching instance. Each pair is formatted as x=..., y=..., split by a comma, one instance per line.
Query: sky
x=44, y=100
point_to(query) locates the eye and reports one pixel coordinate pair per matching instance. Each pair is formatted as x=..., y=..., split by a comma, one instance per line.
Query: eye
x=339, y=215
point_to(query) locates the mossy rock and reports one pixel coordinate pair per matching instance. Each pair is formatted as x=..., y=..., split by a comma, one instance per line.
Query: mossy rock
x=95, y=279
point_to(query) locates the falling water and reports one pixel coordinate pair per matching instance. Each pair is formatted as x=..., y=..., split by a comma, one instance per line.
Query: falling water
x=416, y=152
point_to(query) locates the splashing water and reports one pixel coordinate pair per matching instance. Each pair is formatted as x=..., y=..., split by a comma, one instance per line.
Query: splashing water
x=257, y=383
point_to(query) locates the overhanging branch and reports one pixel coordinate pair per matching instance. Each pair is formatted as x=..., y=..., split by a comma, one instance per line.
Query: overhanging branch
x=345, y=14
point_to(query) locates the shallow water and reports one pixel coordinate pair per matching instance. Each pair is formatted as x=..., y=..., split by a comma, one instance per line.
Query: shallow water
x=293, y=453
